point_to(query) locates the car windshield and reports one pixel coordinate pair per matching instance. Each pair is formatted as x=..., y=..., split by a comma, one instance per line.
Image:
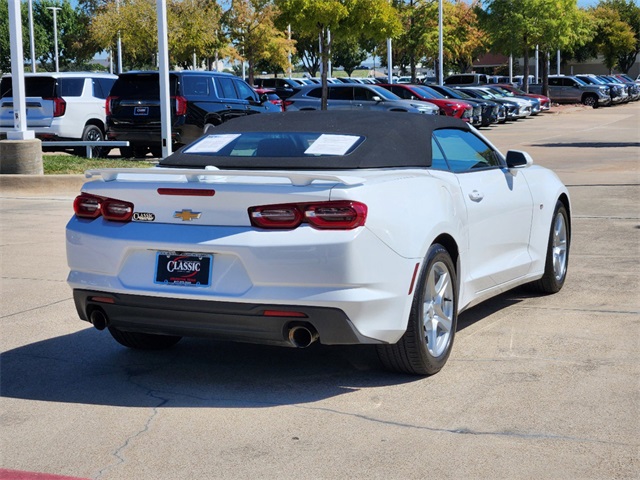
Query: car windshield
x=384, y=93
x=504, y=92
x=425, y=92
x=274, y=144
x=434, y=93
x=579, y=81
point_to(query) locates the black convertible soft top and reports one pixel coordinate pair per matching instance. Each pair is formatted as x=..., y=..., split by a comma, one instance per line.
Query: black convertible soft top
x=391, y=139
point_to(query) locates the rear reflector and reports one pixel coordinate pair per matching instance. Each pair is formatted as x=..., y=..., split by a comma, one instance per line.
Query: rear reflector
x=413, y=278
x=283, y=313
x=102, y=299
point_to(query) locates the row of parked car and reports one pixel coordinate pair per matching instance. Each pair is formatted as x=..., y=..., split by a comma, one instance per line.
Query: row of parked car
x=478, y=104
x=588, y=89
x=94, y=107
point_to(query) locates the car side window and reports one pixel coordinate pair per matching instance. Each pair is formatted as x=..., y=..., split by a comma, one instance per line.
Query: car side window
x=341, y=93
x=402, y=92
x=554, y=81
x=70, y=87
x=437, y=157
x=196, y=85
x=244, y=91
x=464, y=151
x=315, y=93
x=225, y=88
x=363, y=94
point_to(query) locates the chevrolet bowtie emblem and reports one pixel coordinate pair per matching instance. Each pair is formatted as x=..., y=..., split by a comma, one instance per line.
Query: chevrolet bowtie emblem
x=187, y=215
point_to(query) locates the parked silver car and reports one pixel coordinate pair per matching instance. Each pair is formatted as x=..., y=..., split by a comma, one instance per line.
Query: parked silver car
x=355, y=97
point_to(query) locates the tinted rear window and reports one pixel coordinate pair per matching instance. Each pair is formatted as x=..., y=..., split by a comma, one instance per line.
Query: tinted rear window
x=143, y=86
x=35, y=87
x=273, y=144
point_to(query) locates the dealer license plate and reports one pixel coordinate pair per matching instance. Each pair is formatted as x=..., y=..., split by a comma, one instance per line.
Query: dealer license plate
x=189, y=269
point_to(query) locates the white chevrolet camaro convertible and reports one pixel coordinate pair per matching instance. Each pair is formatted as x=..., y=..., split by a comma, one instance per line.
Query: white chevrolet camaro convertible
x=338, y=227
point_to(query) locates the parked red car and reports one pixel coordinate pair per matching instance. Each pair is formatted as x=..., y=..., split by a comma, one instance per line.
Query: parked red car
x=450, y=107
x=545, y=102
x=271, y=95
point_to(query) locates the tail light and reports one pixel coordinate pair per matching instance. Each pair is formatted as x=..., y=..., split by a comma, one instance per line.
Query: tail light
x=336, y=215
x=285, y=104
x=181, y=105
x=108, y=108
x=59, y=106
x=92, y=206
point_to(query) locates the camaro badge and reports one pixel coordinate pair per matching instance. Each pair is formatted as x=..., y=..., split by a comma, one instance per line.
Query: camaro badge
x=187, y=215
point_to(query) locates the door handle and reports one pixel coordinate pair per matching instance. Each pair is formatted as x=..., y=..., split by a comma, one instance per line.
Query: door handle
x=476, y=196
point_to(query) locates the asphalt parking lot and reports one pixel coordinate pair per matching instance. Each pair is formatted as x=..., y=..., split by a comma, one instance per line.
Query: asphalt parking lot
x=536, y=387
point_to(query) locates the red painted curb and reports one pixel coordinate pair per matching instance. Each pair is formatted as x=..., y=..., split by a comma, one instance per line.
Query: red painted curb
x=20, y=475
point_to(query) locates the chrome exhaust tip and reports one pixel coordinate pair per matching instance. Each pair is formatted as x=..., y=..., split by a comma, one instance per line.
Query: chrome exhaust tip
x=301, y=336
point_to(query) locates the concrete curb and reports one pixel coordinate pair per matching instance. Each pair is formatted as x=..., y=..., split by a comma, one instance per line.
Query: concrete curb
x=41, y=185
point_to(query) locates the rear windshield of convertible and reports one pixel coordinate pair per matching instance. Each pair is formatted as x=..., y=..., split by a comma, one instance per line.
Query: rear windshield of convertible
x=275, y=144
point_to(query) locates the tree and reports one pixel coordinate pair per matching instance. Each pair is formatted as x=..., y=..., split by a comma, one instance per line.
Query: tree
x=252, y=28
x=618, y=33
x=192, y=34
x=72, y=46
x=520, y=25
x=348, y=54
x=308, y=51
x=338, y=20
x=135, y=21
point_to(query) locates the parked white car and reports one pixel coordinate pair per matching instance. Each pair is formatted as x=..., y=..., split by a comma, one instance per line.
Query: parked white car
x=61, y=106
x=337, y=227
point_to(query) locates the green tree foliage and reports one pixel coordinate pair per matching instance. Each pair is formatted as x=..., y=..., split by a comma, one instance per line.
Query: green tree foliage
x=252, y=29
x=136, y=23
x=619, y=43
x=308, y=51
x=338, y=20
x=517, y=26
x=194, y=31
x=348, y=54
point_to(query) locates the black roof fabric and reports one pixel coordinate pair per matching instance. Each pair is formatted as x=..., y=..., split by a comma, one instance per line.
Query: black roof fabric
x=392, y=139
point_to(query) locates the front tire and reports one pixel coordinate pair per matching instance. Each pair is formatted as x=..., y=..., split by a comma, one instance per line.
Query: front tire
x=425, y=346
x=590, y=101
x=557, y=258
x=143, y=341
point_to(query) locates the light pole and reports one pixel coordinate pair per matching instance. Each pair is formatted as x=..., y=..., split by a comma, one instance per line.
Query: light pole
x=119, y=42
x=31, y=39
x=55, y=33
x=440, y=46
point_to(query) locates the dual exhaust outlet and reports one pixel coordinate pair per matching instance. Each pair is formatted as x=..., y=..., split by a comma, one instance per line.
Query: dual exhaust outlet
x=299, y=336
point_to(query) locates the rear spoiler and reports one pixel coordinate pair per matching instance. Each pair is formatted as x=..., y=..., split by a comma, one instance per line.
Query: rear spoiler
x=297, y=179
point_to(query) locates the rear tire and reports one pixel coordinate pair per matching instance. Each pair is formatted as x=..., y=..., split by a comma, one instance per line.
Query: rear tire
x=425, y=346
x=92, y=133
x=143, y=341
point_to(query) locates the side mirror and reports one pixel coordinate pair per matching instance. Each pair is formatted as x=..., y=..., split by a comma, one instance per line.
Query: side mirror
x=518, y=159
x=264, y=98
x=376, y=98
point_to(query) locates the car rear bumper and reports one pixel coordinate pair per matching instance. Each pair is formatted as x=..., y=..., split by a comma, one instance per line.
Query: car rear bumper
x=243, y=322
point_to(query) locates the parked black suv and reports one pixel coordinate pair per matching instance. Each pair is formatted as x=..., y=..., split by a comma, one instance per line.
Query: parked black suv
x=200, y=100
